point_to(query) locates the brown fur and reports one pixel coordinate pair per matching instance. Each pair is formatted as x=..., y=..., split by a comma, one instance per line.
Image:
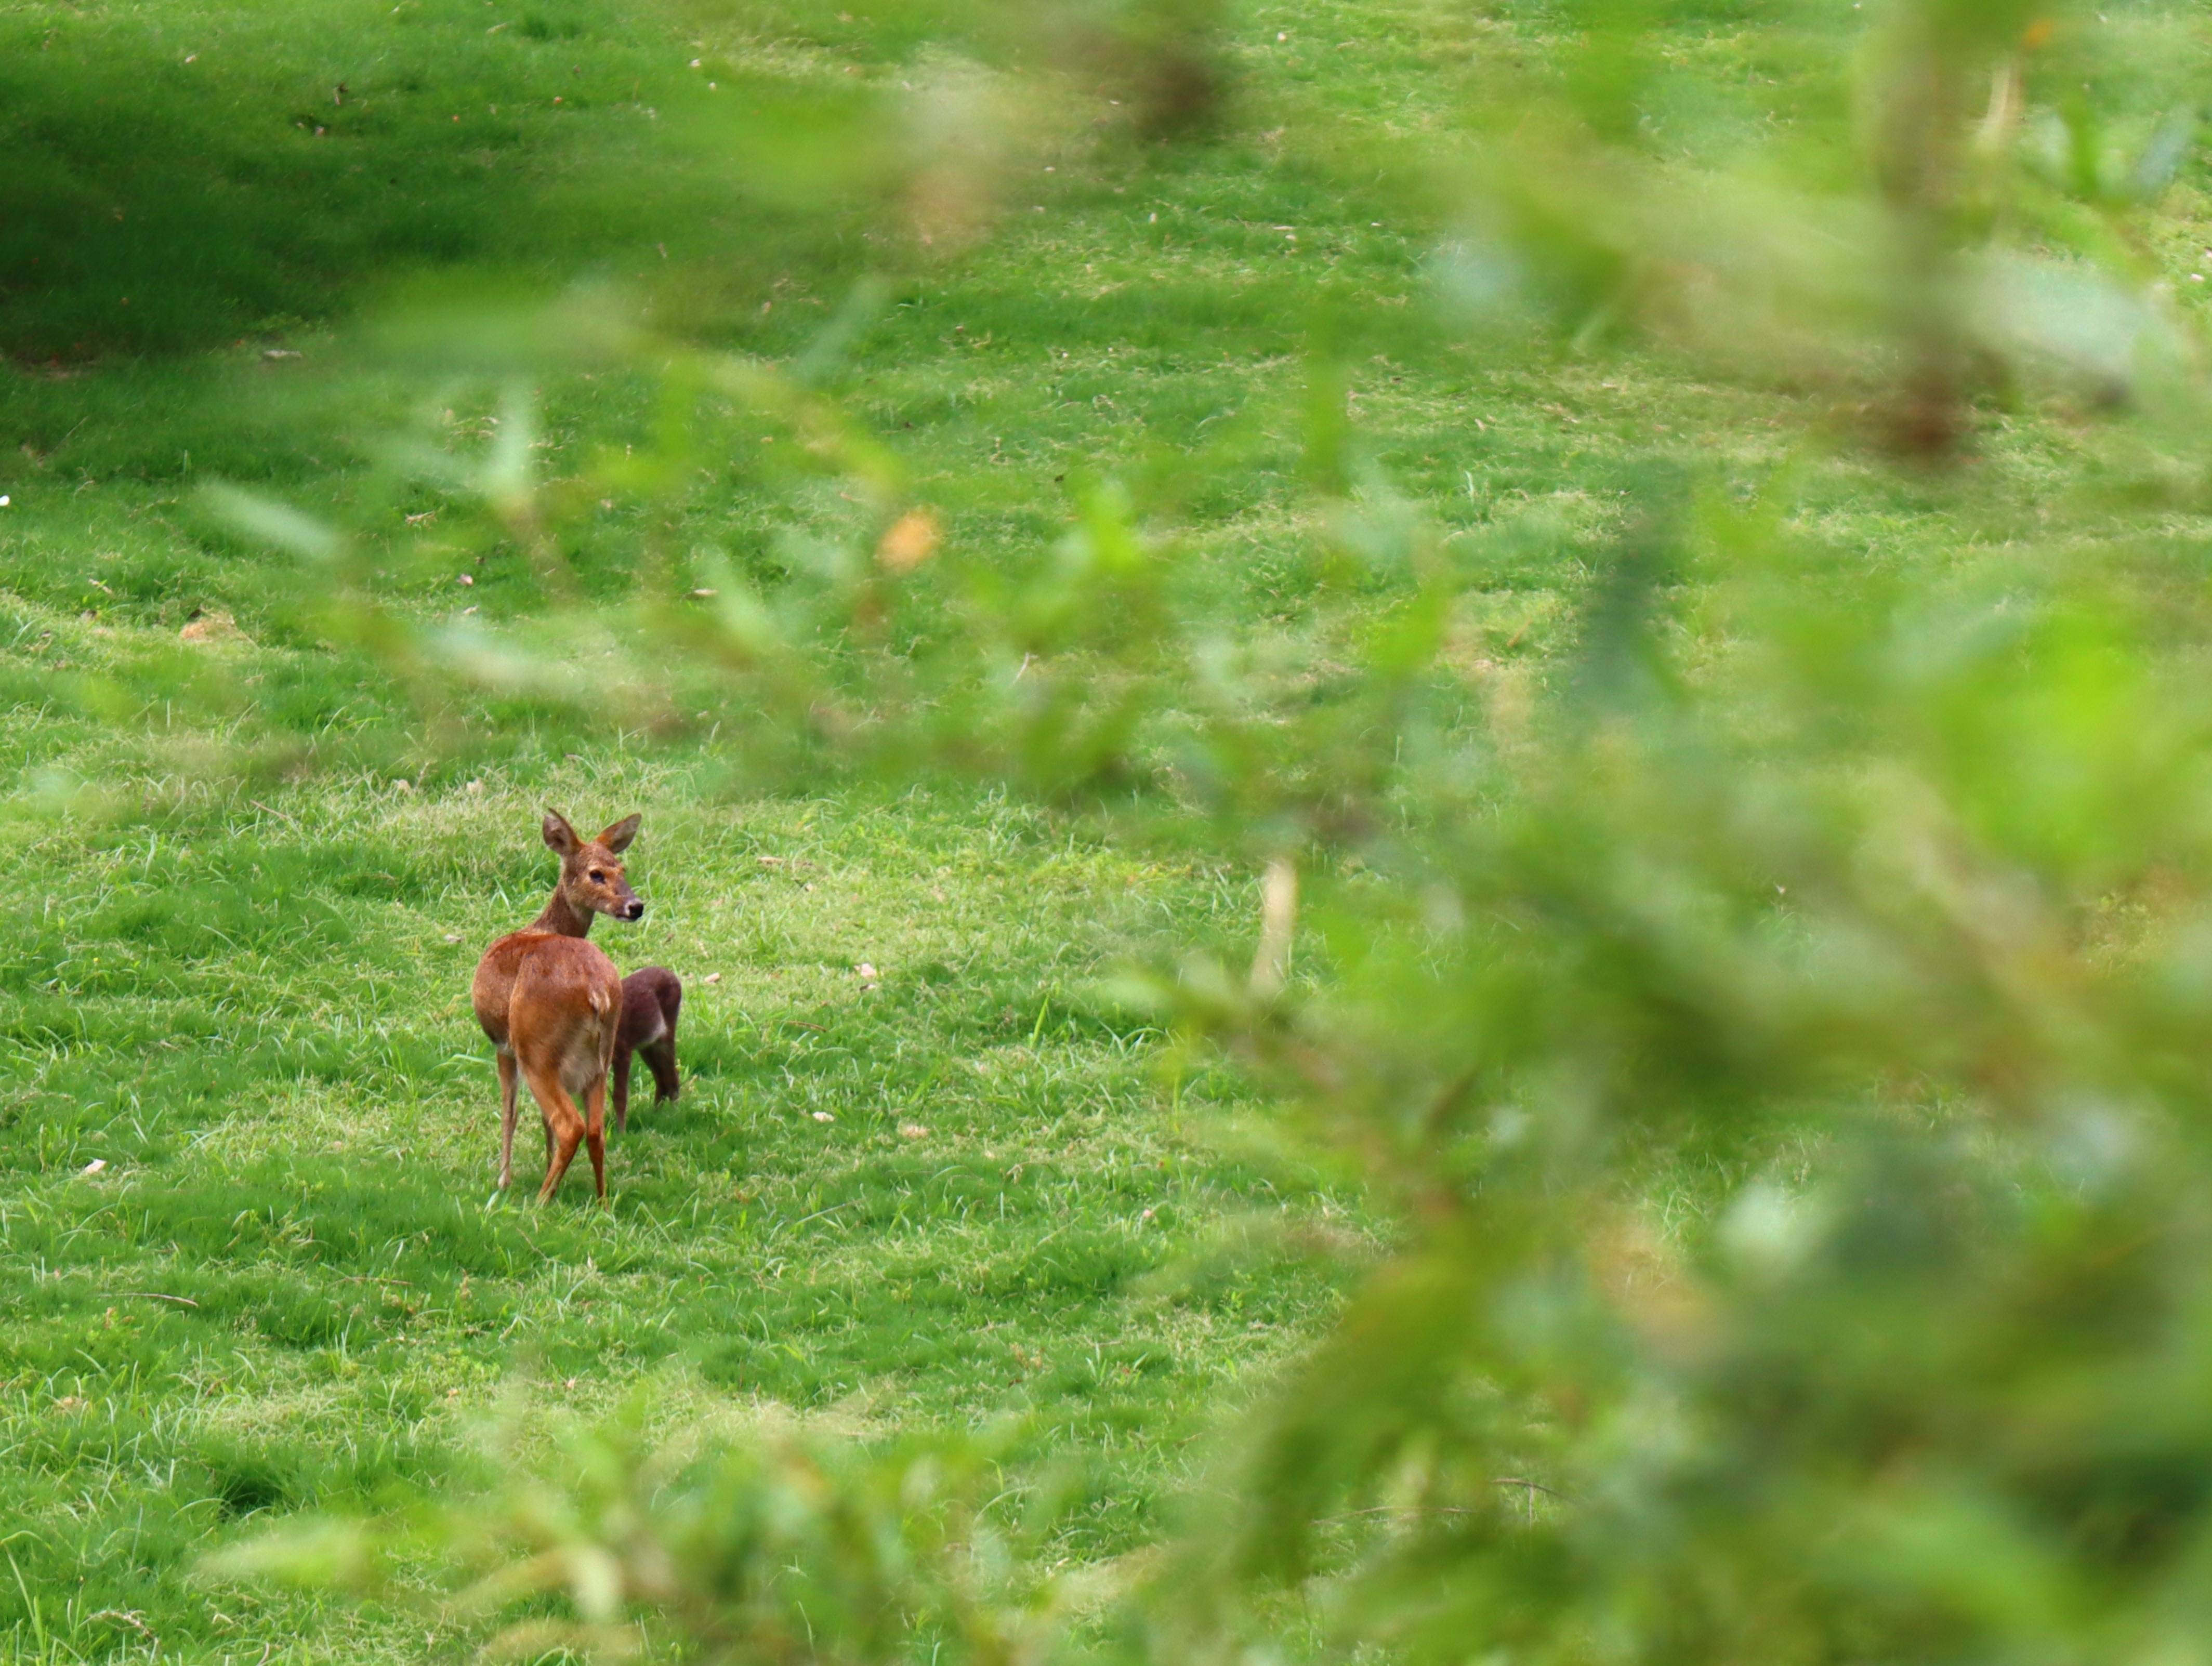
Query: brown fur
x=651, y=998
x=551, y=1003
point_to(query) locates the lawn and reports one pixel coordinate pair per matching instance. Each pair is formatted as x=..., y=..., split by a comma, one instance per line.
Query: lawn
x=933, y=1192
x=246, y=1202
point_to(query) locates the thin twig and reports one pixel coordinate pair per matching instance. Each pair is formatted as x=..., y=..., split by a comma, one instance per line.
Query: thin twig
x=818, y=1214
x=1279, y=913
x=1448, y=1509
x=129, y=1619
x=156, y=1296
x=1533, y=1486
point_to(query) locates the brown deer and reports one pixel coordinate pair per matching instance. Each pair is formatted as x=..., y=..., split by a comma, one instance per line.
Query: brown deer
x=652, y=997
x=551, y=1003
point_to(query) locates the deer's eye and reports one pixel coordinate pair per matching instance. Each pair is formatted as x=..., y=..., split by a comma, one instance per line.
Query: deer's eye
x=596, y=874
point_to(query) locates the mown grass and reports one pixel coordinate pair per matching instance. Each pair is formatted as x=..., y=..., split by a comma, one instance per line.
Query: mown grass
x=183, y=175
x=933, y=1194
x=240, y=919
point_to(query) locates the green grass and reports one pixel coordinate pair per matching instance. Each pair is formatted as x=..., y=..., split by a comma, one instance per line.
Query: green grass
x=936, y=1198
x=186, y=175
x=237, y=933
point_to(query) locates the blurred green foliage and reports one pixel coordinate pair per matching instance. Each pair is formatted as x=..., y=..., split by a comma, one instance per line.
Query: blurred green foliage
x=787, y=1548
x=1877, y=893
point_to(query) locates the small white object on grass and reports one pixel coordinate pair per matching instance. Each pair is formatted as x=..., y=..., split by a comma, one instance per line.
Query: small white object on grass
x=98, y=1165
x=3, y=500
x=713, y=977
x=865, y=969
x=824, y=1116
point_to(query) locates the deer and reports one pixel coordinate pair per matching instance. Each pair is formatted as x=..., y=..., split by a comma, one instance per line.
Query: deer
x=652, y=997
x=551, y=1003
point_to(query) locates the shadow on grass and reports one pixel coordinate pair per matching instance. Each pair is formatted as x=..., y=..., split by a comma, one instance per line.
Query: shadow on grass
x=181, y=175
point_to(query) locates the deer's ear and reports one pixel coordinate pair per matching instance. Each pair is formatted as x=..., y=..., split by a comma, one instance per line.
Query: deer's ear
x=617, y=837
x=560, y=837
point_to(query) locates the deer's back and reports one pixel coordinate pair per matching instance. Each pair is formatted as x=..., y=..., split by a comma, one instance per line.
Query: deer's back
x=563, y=1014
x=651, y=997
x=565, y=974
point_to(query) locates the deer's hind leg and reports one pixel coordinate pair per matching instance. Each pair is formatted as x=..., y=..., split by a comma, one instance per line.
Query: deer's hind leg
x=595, y=1133
x=595, y=1096
x=619, y=1070
x=661, y=1056
x=507, y=1087
x=564, y=1124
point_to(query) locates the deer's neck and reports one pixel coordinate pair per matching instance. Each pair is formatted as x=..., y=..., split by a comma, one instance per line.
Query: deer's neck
x=562, y=918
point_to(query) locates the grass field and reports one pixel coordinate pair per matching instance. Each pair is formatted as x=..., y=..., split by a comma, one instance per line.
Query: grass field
x=236, y=941
x=928, y=1195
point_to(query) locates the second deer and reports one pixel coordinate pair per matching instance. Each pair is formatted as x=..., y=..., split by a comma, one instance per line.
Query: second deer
x=652, y=997
x=551, y=1003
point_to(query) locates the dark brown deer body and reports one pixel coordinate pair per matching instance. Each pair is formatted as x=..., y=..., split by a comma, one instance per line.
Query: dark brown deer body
x=552, y=1004
x=652, y=997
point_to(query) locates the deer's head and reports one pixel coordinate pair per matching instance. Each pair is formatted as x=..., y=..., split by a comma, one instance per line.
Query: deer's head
x=591, y=869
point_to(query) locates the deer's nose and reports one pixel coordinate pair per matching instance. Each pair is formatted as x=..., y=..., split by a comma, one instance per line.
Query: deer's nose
x=633, y=910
